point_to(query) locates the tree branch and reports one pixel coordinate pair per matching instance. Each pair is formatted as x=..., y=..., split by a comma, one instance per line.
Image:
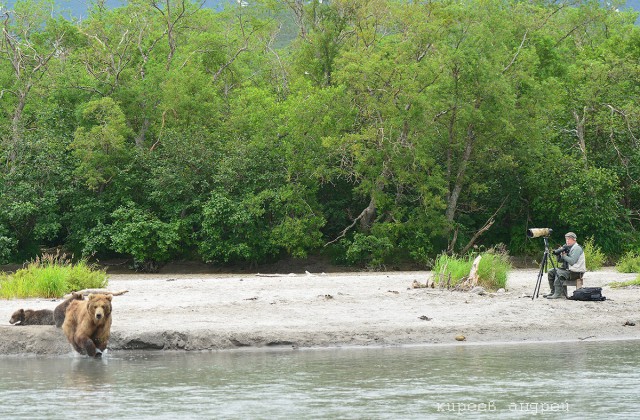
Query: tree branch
x=513, y=60
x=367, y=211
x=626, y=120
x=484, y=228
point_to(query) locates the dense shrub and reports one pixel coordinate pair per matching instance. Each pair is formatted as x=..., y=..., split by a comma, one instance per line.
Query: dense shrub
x=629, y=263
x=593, y=255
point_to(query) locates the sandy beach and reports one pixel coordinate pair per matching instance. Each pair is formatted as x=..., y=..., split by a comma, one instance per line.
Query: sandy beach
x=216, y=311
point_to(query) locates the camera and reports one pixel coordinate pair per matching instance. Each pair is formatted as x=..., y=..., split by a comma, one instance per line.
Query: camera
x=559, y=251
x=537, y=232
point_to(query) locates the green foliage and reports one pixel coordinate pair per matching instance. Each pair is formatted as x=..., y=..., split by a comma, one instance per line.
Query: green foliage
x=7, y=246
x=259, y=226
x=593, y=255
x=368, y=249
x=51, y=276
x=31, y=193
x=298, y=235
x=591, y=203
x=99, y=142
x=211, y=135
x=629, y=263
x=141, y=234
x=230, y=231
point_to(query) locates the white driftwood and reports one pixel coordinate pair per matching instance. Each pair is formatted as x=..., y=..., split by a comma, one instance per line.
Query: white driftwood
x=473, y=274
x=275, y=275
x=86, y=292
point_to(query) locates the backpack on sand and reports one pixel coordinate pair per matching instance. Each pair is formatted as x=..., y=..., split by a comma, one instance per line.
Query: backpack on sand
x=588, y=293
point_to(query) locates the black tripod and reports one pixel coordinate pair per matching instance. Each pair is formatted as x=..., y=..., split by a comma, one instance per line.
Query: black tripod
x=543, y=267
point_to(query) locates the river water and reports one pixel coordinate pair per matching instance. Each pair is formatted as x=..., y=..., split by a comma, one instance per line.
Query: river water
x=559, y=380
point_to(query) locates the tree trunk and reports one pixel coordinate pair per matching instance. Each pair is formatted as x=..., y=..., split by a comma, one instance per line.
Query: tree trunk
x=16, y=126
x=368, y=215
x=580, y=121
x=452, y=201
x=142, y=133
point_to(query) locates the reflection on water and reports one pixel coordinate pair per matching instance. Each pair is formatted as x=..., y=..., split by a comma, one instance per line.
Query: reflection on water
x=566, y=380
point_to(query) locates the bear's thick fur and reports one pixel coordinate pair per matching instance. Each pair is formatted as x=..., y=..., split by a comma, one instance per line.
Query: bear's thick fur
x=31, y=317
x=60, y=310
x=87, y=324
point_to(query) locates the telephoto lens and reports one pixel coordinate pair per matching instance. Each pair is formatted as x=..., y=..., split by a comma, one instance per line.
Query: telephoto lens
x=537, y=232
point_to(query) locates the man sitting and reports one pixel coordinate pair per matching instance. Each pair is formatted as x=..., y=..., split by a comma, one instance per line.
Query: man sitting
x=574, y=265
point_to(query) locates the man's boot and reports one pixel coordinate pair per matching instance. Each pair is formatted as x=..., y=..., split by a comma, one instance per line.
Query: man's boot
x=558, y=290
x=551, y=286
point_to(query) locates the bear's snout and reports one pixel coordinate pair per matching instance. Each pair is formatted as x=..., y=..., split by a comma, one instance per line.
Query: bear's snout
x=99, y=314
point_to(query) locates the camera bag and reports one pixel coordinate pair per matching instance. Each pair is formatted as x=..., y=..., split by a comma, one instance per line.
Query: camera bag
x=588, y=293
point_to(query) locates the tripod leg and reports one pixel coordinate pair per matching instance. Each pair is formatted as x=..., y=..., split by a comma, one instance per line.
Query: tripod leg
x=545, y=265
x=543, y=268
x=538, y=280
x=536, y=288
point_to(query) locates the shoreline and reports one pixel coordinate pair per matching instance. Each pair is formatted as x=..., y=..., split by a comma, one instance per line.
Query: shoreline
x=133, y=352
x=210, y=312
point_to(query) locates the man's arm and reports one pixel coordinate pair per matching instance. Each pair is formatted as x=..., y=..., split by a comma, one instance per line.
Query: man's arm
x=572, y=257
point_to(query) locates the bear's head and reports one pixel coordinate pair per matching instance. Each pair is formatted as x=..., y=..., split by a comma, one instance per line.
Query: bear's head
x=99, y=307
x=18, y=316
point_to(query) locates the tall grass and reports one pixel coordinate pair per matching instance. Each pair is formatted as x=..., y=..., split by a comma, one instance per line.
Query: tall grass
x=450, y=271
x=629, y=263
x=51, y=276
x=493, y=270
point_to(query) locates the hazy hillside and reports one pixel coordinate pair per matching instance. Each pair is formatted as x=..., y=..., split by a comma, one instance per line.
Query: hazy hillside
x=79, y=8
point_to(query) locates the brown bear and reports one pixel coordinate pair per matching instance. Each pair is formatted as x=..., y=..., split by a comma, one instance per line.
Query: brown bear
x=87, y=324
x=60, y=310
x=31, y=317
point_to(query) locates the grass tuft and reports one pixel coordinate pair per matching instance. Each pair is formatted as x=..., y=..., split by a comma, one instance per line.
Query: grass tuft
x=494, y=267
x=493, y=270
x=621, y=284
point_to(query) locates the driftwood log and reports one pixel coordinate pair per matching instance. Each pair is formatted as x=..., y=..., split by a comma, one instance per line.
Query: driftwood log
x=86, y=292
x=472, y=279
x=473, y=274
x=275, y=275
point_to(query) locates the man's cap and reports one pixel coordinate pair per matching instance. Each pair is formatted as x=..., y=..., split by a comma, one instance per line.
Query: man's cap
x=570, y=235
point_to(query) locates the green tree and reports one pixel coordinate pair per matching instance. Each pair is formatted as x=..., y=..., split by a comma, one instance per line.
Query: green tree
x=31, y=38
x=100, y=143
x=141, y=234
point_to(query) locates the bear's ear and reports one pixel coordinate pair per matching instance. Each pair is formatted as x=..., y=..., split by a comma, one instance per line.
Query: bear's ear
x=91, y=296
x=109, y=296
